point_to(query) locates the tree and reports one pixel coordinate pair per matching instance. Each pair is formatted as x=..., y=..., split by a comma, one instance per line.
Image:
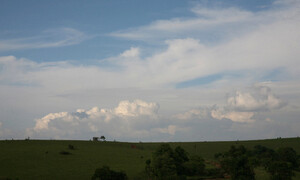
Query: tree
x=180, y=157
x=289, y=155
x=173, y=164
x=195, y=166
x=102, y=138
x=280, y=170
x=236, y=163
x=163, y=162
x=263, y=155
x=148, y=169
x=281, y=167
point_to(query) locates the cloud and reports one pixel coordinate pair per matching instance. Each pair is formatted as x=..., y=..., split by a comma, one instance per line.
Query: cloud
x=233, y=116
x=252, y=55
x=204, y=19
x=246, y=43
x=131, y=53
x=213, y=23
x=171, y=129
x=260, y=99
x=47, y=39
x=120, y=122
x=136, y=108
x=202, y=113
x=242, y=107
x=239, y=46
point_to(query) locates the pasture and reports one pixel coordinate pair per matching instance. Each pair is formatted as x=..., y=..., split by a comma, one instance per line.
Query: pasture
x=44, y=159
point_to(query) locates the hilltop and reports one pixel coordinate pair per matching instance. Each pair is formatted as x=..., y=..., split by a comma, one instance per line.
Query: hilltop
x=71, y=159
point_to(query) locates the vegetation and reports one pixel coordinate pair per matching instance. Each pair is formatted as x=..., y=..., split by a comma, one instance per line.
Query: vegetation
x=236, y=163
x=173, y=164
x=41, y=159
x=240, y=162
x=105, y=173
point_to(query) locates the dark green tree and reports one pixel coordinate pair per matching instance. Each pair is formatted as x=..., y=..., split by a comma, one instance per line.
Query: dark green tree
x=102, y=138
x=289, y=155
x=163, y=162
x=195, y=166
x=236, y=163
x=173, y=164
x=280, y=170
x=180, y=157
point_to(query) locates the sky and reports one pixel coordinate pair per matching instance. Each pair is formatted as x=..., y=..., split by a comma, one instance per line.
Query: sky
x=138, y=70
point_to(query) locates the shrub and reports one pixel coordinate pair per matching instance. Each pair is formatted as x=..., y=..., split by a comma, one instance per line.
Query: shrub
x=105, y=173
x=71, y=147
x=64, y=153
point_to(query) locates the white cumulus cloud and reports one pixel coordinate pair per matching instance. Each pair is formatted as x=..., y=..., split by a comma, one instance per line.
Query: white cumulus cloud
x=117, y=122
x=233, y=116
x=260, y=99
x=242, y=107
x=136, y=108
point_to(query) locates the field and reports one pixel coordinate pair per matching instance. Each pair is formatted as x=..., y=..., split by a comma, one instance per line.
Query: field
x=42, y=159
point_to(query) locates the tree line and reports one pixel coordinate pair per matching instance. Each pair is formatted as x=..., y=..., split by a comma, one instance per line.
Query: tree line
x=238, y=163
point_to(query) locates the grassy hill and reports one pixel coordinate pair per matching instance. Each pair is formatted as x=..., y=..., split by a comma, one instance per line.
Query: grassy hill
x=42, y=159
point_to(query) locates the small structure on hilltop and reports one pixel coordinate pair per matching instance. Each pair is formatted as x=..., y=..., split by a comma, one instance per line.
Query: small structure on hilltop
x=97, y=138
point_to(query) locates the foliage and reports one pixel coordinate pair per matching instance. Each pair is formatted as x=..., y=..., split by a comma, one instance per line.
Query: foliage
x=280, y=170
x=236, y=163
x=105, y=173
x=163, y=163
x=102, y=138
x=214, y=172
x=173, y=164
x=71, y=147
x=64, y=153
x=264, y=155
x=289, y=155
x=195, y=166
x=180, y=157
x=278, y=163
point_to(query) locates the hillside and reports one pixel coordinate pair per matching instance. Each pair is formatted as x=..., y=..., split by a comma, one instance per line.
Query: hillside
x=42, y=159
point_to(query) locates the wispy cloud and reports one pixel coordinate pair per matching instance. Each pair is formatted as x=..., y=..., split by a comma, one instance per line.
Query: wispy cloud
x=215, y=24
x=47, y=39
x=204, y=20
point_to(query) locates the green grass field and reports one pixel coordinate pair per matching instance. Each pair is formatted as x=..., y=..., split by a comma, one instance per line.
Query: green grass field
x=41, y=159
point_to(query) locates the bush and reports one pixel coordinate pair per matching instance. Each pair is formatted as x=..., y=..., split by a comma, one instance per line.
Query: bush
x=71, y=147
x=64, y=153
x=105, y=173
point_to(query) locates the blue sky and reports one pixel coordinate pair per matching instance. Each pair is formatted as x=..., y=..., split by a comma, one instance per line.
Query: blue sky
x=156, y=70
x=96, y=20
